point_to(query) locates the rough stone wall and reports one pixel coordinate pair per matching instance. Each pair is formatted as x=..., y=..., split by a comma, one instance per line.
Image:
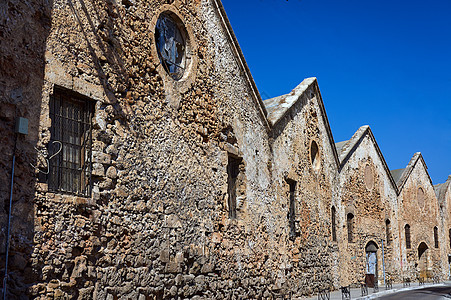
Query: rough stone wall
x=422, y=216
x=444, y=200
x=312, y=256
x=24, y=27
x=157, y=224
x=367, y=192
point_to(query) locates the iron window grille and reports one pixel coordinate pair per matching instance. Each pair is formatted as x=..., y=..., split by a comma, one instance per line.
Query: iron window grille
x=70, y=144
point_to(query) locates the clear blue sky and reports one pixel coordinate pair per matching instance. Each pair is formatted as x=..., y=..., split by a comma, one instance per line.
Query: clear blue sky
x=382, y=63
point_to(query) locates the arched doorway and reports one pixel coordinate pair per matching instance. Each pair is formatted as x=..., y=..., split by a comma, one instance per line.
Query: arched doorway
x=423, y=259
x=371, y=264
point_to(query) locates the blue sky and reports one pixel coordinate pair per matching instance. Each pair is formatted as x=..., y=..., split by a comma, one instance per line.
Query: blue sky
x=382, y=63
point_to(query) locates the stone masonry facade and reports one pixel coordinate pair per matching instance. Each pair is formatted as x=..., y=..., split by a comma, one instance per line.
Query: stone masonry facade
x=152, y=169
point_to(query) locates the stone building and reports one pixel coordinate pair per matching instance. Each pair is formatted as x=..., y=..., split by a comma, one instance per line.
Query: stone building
x=152, y=169
x=368, y=195
x=418, y=221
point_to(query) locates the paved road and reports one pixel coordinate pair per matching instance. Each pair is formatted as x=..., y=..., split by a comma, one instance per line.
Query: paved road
x=428, y=293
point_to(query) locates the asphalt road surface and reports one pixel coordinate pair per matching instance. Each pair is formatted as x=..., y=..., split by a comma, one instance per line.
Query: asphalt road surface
x=428, y=293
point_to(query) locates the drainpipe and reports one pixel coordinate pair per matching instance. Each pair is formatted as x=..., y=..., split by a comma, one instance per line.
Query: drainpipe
x=5, y=279
x=22, y=128
x=383, y=260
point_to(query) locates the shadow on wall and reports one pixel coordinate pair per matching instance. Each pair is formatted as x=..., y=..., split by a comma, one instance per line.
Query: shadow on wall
x=24, y=28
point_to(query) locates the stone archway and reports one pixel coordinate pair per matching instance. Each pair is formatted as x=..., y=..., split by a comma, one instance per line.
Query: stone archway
x=423, y=261
x=371, y=264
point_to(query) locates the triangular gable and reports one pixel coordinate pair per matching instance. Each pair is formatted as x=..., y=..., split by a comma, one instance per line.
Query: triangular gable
x=410, y=167
x=279, y=108
x=347, y=148
x=241, y=61
x=441, y=189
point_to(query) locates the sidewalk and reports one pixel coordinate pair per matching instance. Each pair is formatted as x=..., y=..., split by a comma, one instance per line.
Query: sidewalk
x=356, y=292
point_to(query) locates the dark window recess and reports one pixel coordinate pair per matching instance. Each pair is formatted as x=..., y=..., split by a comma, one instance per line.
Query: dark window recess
x=350, y=225
x=435, y=237
x=292, y=208
x=407, y=232
x=449, y=233
x=233, y=170
x=170, y=46
x=70, y=144
x=387, y=231
x=334, y=224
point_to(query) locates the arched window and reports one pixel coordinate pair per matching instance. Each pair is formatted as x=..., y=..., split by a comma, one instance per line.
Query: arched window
x=387, y=231
x=407, y=231
x=314, y=155
x=334, y=225
x=350, y=225
x=435, y=237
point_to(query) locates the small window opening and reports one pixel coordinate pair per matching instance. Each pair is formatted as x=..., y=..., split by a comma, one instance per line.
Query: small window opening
x=350, y=225
x=449, y=233
x=70, y=143
x=314, y=155
x=435, y=237
x=334, y=224
x=171, y=46
x=407, y=232
x=292, y=208
x=387, y=231
x=233, y=170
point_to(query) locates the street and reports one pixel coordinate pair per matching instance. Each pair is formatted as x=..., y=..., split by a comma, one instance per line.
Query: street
x=427, y=293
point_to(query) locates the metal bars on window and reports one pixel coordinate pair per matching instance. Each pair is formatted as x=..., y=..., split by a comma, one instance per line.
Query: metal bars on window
x=70, y=144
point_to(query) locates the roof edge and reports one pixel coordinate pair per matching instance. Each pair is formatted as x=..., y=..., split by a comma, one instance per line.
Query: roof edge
x=354, y=142
x=242, y=62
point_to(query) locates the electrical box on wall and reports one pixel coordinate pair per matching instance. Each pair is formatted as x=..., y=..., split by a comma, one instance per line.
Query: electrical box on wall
x=22, y=125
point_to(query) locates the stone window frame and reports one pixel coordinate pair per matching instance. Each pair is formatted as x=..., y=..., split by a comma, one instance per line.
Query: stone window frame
x=176, y=58
x=292, y=184
x=70, y=146
x=234, y=166
x=350, y=220
x=407, y=236
x=436, y=245
x=388, y=231
x=314, y=155
x=183, y=84
x=333, y=212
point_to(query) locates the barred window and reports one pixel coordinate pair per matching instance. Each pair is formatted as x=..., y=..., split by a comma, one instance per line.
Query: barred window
x=70, y=143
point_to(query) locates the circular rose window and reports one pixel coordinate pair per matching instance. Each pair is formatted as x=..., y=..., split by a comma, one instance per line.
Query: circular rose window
x=171, y=43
